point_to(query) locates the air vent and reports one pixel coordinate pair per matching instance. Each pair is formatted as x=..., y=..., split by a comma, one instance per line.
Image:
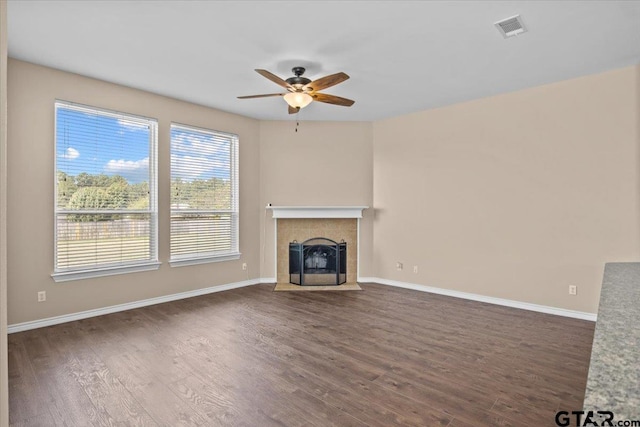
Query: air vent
x=511, y=26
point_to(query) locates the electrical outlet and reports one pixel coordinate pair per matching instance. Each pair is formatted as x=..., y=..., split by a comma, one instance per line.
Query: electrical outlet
x=399, y=266
x=42, y=296
x=573, y=290
x=415, y=269
x=244, y=265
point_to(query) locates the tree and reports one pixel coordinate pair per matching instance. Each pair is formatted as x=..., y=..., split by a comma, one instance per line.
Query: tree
x=99, y=180
x=139, y=204
x=212, y=193
x=137, y=191
x=66, y=188
x=89, y=198
x=84, y=180
x=118, y=194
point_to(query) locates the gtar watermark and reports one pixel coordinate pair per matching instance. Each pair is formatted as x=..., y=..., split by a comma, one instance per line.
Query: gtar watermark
x=592, y=418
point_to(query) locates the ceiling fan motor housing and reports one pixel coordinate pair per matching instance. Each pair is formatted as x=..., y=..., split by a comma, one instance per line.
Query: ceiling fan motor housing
x=298, y=81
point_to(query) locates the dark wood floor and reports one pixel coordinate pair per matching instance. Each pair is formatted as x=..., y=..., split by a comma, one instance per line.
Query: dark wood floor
x=252, y=357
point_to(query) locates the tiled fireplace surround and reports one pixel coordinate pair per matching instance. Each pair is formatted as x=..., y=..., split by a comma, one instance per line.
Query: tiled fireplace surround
x=301, y=223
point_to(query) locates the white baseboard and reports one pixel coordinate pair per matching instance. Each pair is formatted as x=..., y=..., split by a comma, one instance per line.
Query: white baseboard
x=41, y=323
x=481, y=298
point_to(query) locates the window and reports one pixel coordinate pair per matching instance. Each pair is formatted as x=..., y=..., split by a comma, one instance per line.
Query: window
x=106, y=209
x=204, y=195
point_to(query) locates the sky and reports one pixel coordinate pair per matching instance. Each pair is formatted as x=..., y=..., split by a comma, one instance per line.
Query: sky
x=199, y=155
x=124, y=148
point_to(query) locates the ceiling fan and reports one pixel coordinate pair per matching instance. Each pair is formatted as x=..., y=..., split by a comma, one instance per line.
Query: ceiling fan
x=302, y=91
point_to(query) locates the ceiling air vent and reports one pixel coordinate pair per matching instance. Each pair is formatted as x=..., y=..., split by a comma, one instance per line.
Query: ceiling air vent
x=511, y=26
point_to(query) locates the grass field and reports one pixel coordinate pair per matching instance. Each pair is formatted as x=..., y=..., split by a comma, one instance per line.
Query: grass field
x=92, y=252
x=98, y=252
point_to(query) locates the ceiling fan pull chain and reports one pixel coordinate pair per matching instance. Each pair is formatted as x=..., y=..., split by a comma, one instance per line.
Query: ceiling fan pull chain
x=297, y=119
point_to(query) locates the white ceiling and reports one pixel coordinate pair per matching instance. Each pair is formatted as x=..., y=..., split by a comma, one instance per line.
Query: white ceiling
x=402, y=56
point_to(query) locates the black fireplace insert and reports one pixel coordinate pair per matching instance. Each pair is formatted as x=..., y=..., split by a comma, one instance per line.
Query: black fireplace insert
x=318, y=262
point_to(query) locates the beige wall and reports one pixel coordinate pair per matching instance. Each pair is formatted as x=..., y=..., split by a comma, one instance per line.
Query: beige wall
x=323, y=164
x=516, y=196
x=32, y=92
x=4, y=376
x=637, y=92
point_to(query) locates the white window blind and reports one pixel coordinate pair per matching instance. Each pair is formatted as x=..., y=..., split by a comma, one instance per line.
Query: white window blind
x=204, y=195
x=106, y=209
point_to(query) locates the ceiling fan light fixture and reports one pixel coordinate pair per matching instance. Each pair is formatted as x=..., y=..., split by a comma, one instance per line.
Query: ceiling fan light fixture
x=302, y=91
x=298, y=99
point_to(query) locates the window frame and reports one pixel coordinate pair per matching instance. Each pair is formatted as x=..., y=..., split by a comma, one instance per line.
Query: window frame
x=108, y=269
x=234, y=253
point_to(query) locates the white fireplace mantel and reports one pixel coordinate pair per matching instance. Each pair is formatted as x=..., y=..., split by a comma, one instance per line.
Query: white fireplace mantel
x=317, y=211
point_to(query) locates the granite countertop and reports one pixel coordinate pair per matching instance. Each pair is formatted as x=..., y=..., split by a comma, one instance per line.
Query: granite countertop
x=614, y=372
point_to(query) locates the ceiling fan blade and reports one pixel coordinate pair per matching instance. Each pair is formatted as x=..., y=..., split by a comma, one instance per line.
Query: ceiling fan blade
x=325, y=82
x=293, y=110
x=332, y=99
x=261, y=96
x=277, y=80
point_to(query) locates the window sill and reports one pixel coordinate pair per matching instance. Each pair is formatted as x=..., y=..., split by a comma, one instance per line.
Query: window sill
x=204, y=260
x=100, y=272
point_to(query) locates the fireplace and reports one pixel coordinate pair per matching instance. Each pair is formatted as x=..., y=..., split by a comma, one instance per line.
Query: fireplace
x=318, y=262
x=302, y=223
